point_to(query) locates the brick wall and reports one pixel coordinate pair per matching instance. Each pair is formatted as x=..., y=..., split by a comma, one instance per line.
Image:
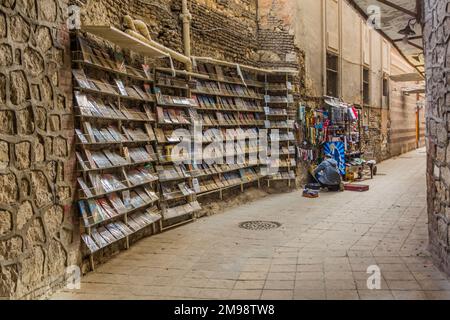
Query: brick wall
x=220, y=29
x=36, y=136
x=437, y=52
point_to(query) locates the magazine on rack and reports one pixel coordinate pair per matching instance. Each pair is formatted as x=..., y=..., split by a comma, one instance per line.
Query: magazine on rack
x=95, y=179
x=123, y=227
x=90, y=244
x=121, y=87
x=144, y=196
x=96, y=211
x=81, y=161
x=117, y=203
x=106, y=235
x=133, y=224
x=115, y=231
x=87, y=218
x=100, y=159
x=101, y=242
x=110, y=212
x=87, y=192
x=111, y=183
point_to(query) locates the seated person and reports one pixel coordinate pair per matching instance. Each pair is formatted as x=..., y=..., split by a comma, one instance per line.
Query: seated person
x=327, y=174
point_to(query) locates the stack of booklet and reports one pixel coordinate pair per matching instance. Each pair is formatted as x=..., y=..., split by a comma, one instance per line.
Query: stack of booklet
x=182, y=210
x=106, y=235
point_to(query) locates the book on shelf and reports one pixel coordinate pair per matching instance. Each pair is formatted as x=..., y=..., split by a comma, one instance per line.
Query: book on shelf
x=90, y=243
x=86, y=216
x=151, y=193
x=141, y=93
x=90, y=159
x=196, y=185
x=119, y=61
x=111, y=183
x=134, y=223
x=89, y=132
x=135, y=200
x=143, y=195
x=117, y=203
x=82, y=79
x=114, y=231
x=100, y=159
x=149, y=113
x=107, y=209
x=86, y=190
x=121, y=87
x=82, y=162
x=81, y=136
x=131, y=92
x=101, y=242
x=96, y=182
x=96, y=211
x=147, y=71
x=106, y=235
x=126, y=198
x=184, y=188
x=123, y=227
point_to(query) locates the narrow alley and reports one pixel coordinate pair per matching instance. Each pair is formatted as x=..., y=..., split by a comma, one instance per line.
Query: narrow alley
x=321, y=251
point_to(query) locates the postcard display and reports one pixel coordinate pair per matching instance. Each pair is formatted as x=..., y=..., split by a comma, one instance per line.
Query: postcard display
x=118, y=192
x=175, y=110
x=229, y=110
x=278, y=99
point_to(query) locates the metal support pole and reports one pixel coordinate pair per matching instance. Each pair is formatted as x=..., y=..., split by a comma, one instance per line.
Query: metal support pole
x=186, y=17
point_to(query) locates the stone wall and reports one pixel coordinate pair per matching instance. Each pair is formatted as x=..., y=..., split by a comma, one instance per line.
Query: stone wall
x=36, y=135
x=437, y=52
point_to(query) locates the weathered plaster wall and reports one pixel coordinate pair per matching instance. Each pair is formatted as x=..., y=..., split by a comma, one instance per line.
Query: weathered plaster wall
x=437, y=54
x=35, y=147
x=402, y=110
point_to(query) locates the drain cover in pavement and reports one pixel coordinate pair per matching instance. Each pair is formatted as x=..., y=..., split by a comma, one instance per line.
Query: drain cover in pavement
x=259, y=225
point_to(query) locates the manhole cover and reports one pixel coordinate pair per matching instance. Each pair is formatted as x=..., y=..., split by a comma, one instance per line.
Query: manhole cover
x=259, y=225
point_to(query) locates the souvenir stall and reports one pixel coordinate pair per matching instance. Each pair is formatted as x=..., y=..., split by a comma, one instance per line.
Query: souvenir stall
x=333, y=129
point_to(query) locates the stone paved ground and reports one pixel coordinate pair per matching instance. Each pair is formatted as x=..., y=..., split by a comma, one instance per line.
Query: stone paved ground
x=322, y=250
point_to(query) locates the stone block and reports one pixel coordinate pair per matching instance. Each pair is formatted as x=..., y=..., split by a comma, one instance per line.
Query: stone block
x=11, y=248
x=35, y=233
x=20, y=90
x=22, y=152
x=20, y=29
x=40, y=189
x=3, y=25
x=8, y=188
x=44, y=39
x=6, y=55
x=24, y=215
x=48, y=10
x=2, y=88
x=4, y=154
x=33, y=267
x=33, y=61
x=53, y=219
x=6, y=222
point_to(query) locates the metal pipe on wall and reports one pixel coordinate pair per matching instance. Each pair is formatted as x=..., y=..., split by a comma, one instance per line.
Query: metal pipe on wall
x=186, y=17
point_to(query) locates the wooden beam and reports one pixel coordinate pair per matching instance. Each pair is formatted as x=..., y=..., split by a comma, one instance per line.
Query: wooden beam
x=409, y=38
x=399, y=8
x=415, y=45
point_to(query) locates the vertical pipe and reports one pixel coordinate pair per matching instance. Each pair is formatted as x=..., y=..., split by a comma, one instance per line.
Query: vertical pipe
x=324, y=48
x=186, y=17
